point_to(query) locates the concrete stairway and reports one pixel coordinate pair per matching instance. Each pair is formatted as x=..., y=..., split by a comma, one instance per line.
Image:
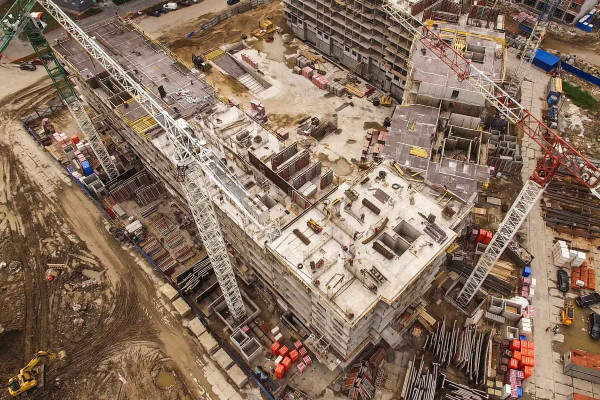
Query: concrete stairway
x=252, y=84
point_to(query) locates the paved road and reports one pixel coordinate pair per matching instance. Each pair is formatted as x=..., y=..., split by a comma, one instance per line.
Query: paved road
x=18, y=48
x=548, y=381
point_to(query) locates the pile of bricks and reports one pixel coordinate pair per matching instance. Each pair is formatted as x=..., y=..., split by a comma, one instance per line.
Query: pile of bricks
x=584, y=274
x=307, y=72
x=319, y=80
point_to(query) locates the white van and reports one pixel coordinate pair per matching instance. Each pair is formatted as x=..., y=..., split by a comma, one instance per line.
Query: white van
x=170, y=6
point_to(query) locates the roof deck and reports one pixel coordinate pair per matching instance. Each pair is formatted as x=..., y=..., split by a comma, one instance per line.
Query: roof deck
x=373, y=275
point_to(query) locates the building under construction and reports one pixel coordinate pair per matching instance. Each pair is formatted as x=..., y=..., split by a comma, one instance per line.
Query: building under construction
x=349, y=258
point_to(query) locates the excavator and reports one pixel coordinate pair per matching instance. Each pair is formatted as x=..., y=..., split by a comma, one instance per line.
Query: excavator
x=32, y=375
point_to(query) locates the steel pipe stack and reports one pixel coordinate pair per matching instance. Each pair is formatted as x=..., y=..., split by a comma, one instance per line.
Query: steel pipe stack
x=466, y=349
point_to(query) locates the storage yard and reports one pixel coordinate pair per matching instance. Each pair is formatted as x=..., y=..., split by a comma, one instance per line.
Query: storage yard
x=300, y=200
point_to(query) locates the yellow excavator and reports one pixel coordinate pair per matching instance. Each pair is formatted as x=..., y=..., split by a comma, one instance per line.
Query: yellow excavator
x=32, y=375
x=567, y=315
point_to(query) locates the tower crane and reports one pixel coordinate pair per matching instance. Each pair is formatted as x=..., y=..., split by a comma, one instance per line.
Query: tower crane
x=556, y=151
x=538, y=32
x=20, y=19
x=198, y=166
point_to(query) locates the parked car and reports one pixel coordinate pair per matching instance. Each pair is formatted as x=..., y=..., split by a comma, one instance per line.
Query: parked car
x=588, y=299
x=563, y=280
x=154, y=13
x=232, y=2
x=594, y=325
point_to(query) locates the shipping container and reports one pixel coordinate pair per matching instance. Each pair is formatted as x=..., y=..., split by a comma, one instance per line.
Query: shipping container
x=582, y=364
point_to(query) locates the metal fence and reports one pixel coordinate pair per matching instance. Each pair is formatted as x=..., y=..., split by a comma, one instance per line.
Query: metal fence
x=594, y=80
x=241, y=8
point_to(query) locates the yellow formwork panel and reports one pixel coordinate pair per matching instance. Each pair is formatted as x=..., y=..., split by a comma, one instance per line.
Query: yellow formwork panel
x=214, y=54
x=419, y=152
x=429, y=23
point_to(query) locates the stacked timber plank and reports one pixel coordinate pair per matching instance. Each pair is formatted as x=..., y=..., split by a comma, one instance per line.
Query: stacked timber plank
x=569, y=207
x=459, y=265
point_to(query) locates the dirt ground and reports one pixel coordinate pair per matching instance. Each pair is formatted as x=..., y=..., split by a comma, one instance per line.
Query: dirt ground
x=121, y=339
x=228, y=31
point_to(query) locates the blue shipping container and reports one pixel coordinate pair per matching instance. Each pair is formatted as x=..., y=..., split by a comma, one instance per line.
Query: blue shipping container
x=545, y=60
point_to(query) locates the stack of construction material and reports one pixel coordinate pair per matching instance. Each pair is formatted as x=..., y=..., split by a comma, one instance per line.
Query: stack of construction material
x=466, y=349
x=286, y=358
x=336, y=88
x=163, y=260
x=148, y=194
x=560, y=253
x=307, y=72
x=425, y=383
x=570, y=208
x=518, y=360
x=577, y=257
x=302, y=62
x=257, y=111
x=319, y=80
x=583, y=277
x=360, y=381
x=527, y=287
x=460, y=266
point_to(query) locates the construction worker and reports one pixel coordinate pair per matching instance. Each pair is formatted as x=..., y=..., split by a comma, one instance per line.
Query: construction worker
x=362, y=217
x=355, y=235
x=351, y=261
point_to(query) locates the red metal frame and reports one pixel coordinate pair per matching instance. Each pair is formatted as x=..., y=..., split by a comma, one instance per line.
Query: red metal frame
x=556, y=150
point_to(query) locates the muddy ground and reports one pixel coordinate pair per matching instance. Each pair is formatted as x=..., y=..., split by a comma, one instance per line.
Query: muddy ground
x=228, y=31
x=102, y=308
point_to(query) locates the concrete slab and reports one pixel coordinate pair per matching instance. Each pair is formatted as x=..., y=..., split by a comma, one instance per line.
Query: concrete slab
x=223, y=359
x=169, y=291
x=208, y=342
x=196, y=327
x=182, y=307
x=238, y=376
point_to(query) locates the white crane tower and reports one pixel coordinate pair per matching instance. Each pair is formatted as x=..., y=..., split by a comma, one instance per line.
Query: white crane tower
x=202, y=167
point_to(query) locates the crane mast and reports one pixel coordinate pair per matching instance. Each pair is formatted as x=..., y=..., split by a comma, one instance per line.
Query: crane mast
x=534, y=40
x=201, y=165
x=556, y=150
x=18, y=20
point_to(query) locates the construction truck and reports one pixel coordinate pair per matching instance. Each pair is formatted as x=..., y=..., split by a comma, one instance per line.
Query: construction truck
x=32, y=375
x=567, y=315
x=200, y=63
x=265, y=29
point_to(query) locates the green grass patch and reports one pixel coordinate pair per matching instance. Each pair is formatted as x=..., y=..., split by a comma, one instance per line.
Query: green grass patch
x=580, y=97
